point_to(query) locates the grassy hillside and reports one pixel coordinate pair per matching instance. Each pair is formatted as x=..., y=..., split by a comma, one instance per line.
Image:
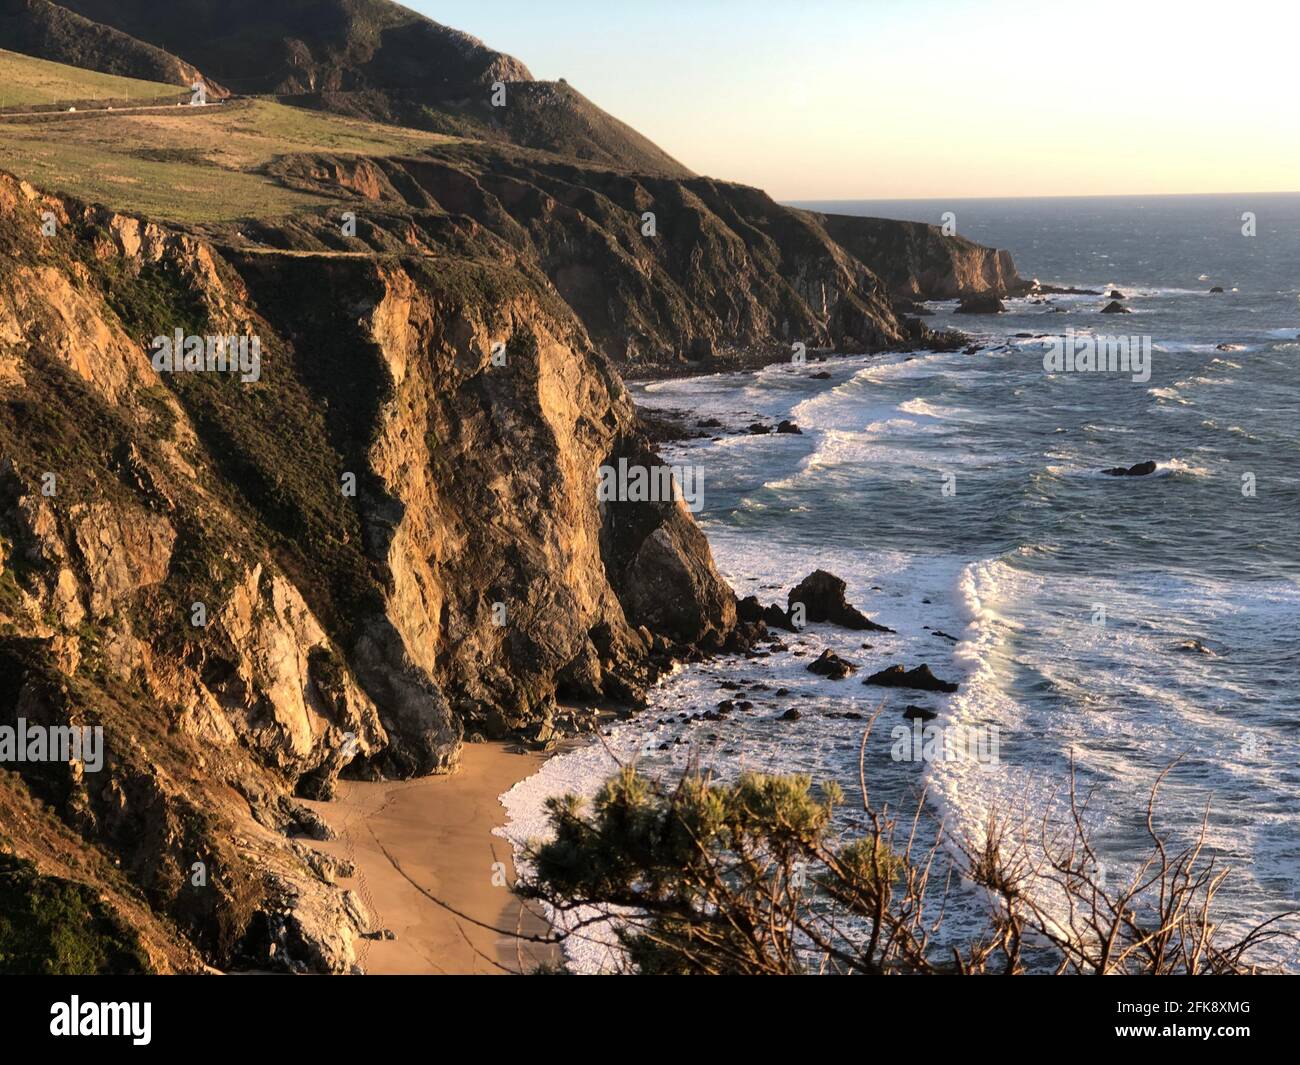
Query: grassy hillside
x=27, y=81
x=189, y=164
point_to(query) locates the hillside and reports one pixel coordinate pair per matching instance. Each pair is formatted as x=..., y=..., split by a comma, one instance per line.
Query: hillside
x=51, y=31
x=377, y=60
x=30, y=83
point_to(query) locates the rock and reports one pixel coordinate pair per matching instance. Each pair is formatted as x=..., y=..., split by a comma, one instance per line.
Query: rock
x=1142, y=469
x=984, y=303
x=822, y=375
x=919, y=678
x=791, y=715
x=1116, y=294
x=832, y=665
x=913, y=713
x=788, y=426
x=822, y=596
x=1115, y=307
x=1216, y=288
x=759, y=429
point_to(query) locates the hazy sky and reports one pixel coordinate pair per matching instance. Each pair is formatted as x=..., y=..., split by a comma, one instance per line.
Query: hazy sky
x=848, y=99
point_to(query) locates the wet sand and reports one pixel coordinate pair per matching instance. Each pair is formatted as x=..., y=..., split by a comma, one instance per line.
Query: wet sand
x=439, y=829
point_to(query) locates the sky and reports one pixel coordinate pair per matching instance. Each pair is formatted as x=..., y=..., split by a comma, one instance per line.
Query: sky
x=909, y=99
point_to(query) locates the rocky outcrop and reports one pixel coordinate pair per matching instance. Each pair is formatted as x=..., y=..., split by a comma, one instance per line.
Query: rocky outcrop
x=919, y=678
x=389, y=539
x=917, y=260
x=1140, y=469
x=822, y=597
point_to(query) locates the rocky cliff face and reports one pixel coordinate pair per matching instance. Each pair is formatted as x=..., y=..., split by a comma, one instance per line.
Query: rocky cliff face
x=664, y=274
x=916, y=260
x=387, y=540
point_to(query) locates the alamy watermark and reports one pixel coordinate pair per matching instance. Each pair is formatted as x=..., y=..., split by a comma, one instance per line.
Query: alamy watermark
x=1099, y=354
x=53, y=743
x=211, y=354
x=631, y=483
x=945, y=743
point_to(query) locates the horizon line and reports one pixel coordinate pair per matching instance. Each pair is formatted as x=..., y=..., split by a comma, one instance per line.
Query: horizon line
x=1052, y=196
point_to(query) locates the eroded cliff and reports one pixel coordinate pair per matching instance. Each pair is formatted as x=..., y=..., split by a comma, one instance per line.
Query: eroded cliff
x=384, y=540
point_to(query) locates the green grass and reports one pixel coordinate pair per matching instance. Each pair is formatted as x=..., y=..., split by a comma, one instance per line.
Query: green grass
x=191, y=165
x=27, y=81
x=55, y=927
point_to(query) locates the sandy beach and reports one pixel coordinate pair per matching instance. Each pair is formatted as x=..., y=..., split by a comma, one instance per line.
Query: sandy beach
x=439, y=830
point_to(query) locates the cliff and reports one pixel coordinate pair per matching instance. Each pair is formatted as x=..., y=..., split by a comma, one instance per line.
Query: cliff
x=471, y=582
x=916, y=260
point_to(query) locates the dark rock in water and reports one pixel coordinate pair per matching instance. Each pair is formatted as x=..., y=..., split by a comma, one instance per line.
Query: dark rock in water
x=822, y=596
x=1142, y=469
x=758, y=429
x=824, y=375
x=1115, y=307
x=973, y=349
x=749, y=609
x=832, y=665
x=985, y=303
x=944, y=635
x=788, y=426
x=919, y=678
x=914, y=712
x=709, y=423
x=1024, y=336
x=1217, y=288
x=791, y=715
x=782, y=691
x=1116, y=294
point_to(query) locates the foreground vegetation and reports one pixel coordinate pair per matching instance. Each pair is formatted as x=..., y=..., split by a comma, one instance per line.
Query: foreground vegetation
x=747, y=878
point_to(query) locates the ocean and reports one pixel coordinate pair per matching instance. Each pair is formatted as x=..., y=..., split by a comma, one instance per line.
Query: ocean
x=1119, y=625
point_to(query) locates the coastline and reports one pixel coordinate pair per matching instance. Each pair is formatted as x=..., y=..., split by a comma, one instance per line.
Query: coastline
x=440, y=830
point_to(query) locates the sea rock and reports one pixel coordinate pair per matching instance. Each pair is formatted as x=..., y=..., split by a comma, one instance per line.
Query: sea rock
x=1116, y=294
x=791, y=715
x=913, y=713
x=832, y=665
x=822, y=596
x=759, y=429
x=1115, y=307
x=788, y=426
x=984, y=303
x=919, y=678
x=1142, y=469
x=1216, y=288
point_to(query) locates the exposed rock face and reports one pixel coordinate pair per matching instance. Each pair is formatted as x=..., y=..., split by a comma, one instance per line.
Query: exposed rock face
x=917, y=260
x=197, y=576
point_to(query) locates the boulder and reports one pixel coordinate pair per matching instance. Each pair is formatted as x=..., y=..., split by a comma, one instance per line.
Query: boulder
x=919, y=678
x=1216, y=288
x=985, y=303
x=822, y=596
x=1115, y=307
x=913, y=713
x=832, y=665
x=788, y=426
x=1142, y=469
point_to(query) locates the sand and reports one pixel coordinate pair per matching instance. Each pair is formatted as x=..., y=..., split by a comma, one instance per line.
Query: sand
x=439, y=829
